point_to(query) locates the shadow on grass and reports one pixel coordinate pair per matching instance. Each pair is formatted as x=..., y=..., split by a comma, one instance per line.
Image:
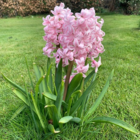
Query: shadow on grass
x=136, y=29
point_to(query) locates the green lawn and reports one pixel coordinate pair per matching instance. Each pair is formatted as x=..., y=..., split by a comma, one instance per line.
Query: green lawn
x=22, y=37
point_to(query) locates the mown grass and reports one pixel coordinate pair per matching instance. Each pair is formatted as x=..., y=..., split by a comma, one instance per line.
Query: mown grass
x=22, y=37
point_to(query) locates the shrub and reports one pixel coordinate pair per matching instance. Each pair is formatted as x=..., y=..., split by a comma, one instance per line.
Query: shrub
x=130, y=6
x=25, y=7
x=77, y=5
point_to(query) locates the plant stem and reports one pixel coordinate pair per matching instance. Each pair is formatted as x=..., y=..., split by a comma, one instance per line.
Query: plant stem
x=67, y=79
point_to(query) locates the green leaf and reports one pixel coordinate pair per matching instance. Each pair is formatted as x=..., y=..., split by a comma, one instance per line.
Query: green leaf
x=43, y=83
x=14, y=84
x=73, y=85
x=66, y=69
x=50, y=96
x=38, y=113
x=55, y=91
x=71, y=99
x=59, y=98
x=50, y=77
x=37, y=87
x=55, y=116
x=18, y=111
x=53, y=97
x=76, y=120
x=21, y=96
x=84, y=105
x=116, y=122
x=31, y=107
x=89, y=76
x=38, y=75
x=65, y=119
x=98, y=100
x=87, y=99
x=82, y=98
x=49, y=80
x=58, y=77
x=29, y=75
x=37, y=72
x=53, y=106
x=51, y=128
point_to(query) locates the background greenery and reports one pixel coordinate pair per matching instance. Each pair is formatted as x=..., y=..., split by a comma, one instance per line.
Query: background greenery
x=21, y=37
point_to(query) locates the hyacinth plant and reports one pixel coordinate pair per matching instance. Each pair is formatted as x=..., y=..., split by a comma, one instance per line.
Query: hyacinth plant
x=56, y=99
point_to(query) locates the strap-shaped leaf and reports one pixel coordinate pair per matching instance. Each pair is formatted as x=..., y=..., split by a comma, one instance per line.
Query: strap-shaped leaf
x=18, y=111
x=73, y=85
x=53, y=97
x=76, y=120
x=14, y=84
x=29, y=75
x=87, y=99
x=50, y=96
x=65, y=119
x=55, y=90
x=36, y=70
x=66, y=69
x=100, y=97
x=58, y=76
x=71, y=99
x=89, y=76
x=115, y=122
x=51, y=128
x=38, y=113
x=50, y=81
x=49, y=77
x=37, y=87
x=59, y=98
x=43, y=83
x=55, y=115
x=38, y=75
x=21, y=96
x=81, y=99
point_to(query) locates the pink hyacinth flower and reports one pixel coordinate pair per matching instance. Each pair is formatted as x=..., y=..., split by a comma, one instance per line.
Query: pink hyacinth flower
x=71, y=77
x=96, y=64
x=82, y=69
x=80, y=61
